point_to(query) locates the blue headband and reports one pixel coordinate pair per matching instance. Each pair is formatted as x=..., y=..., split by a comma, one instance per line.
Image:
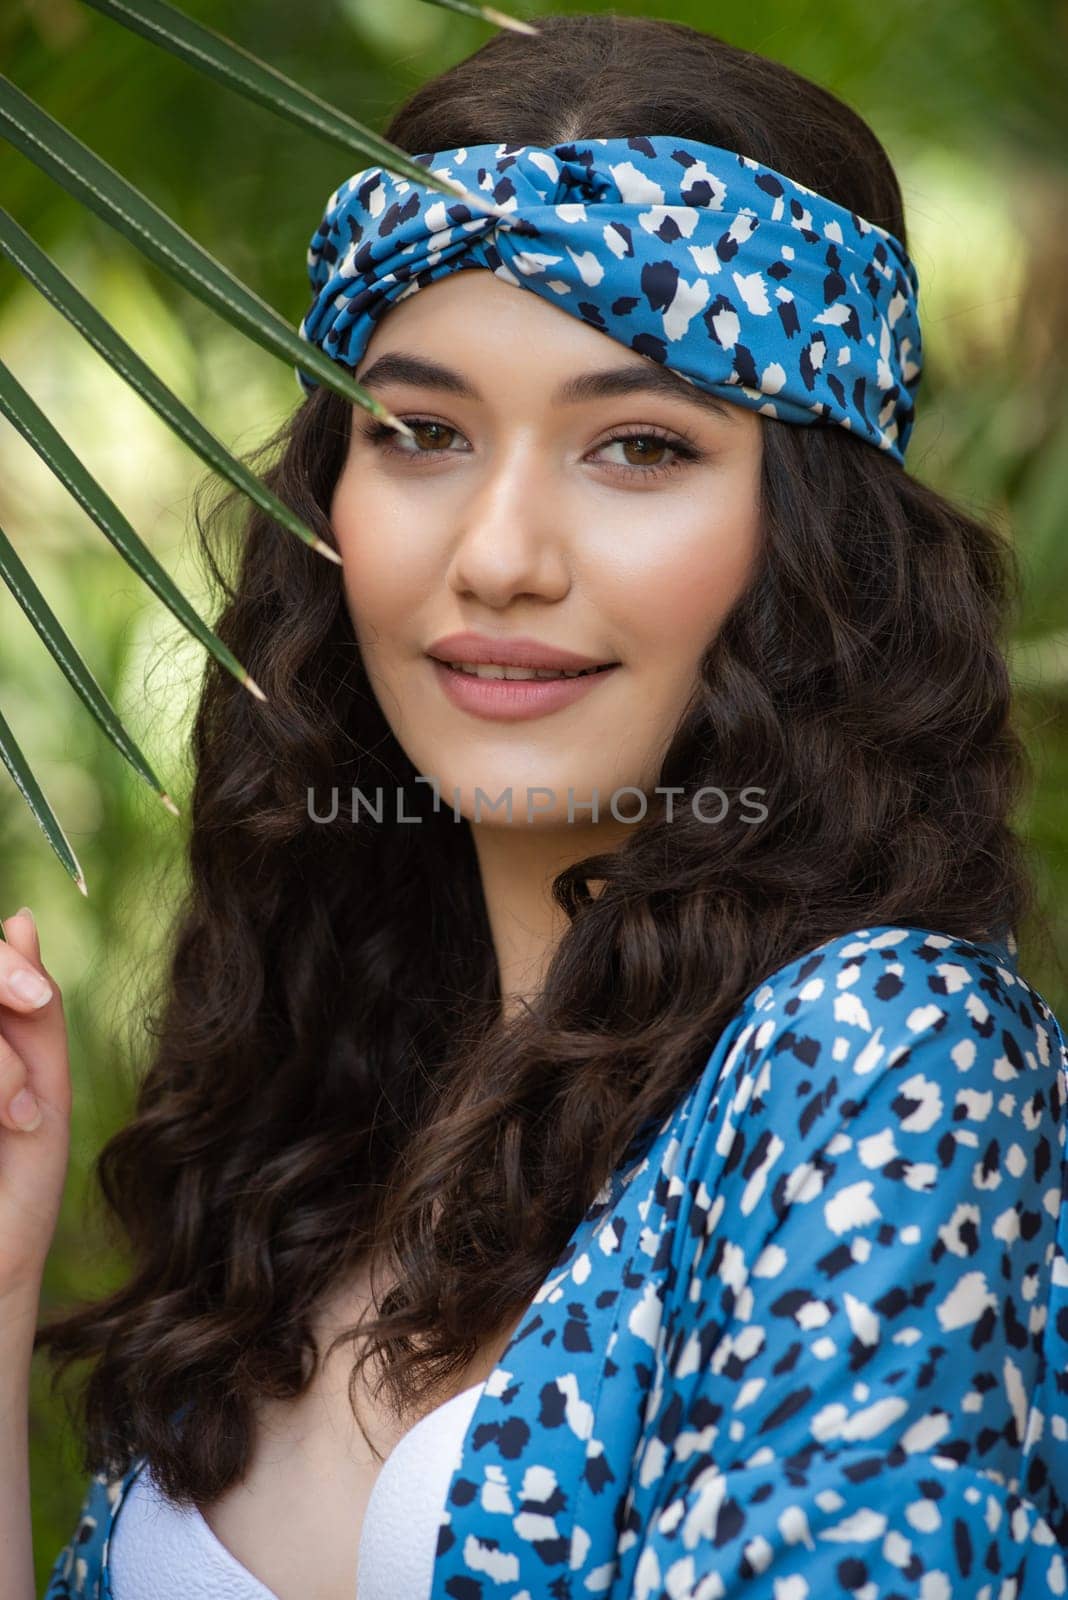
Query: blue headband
x=740, y=280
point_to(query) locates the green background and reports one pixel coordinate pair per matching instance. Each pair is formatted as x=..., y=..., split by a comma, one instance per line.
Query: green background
x=967, y=99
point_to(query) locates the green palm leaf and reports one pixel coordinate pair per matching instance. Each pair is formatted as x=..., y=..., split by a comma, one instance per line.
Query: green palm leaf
x=64, y=653
x=500, y=19
x=54, y=451
x=45, y=276
x=31, y=792
x=238, y=69
x=83, y=174
x=97, y=185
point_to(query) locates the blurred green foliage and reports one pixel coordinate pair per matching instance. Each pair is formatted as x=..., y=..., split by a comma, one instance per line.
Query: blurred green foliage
x=966, y=96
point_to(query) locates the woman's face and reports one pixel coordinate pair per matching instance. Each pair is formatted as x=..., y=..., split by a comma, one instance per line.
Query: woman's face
x=557, y=489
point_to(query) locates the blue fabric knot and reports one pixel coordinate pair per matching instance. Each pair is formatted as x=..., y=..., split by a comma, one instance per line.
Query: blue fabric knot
x=745, y=282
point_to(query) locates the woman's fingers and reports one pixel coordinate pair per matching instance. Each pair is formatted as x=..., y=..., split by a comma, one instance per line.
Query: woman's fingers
x=36, y=1032
x=22, y=984
x=20, y=1108
x=34, y=1076
x=25, y=988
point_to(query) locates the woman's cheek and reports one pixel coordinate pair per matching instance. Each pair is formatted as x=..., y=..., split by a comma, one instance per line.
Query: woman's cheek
x=675, y=607
x=388, y=565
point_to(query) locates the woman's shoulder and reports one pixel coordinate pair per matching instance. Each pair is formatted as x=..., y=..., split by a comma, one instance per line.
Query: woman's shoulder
x=892, y=1056
x=886, y=989
x=893, y=1025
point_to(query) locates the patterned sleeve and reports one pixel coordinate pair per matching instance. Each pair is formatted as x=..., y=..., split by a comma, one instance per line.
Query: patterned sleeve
x=864, y=1382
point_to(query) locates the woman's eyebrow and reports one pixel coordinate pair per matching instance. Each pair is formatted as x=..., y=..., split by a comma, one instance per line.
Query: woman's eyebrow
x=396, y=366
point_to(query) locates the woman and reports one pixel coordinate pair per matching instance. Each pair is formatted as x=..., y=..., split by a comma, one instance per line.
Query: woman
x=646, y=1048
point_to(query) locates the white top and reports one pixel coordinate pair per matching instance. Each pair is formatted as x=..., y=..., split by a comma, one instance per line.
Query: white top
x=163, y=1551
x=399, y=1540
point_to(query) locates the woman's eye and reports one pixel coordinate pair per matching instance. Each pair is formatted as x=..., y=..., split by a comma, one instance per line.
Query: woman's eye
x=646, y=451
x=430, y=438
x=426, y=431
x=643, y=452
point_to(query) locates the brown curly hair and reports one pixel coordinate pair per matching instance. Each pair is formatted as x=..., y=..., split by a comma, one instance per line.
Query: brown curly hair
x=332, y=1079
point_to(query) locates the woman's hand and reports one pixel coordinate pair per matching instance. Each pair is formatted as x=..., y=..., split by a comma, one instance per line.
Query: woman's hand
x=35, y=1101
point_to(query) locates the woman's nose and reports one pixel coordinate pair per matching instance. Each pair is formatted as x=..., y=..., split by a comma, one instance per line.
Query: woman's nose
x=511, y=536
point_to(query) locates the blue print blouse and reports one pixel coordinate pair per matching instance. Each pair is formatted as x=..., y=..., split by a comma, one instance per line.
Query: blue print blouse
x=811, y=1339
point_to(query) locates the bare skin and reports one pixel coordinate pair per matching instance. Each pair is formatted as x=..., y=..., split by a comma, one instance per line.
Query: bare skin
x=313, y=1470
x=33, y=1164
x=535, y=517
x=579, y=523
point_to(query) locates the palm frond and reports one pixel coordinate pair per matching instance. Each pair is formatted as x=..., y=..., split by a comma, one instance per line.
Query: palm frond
x=83, y=174
x=97, y=185
x=32, y=793
x=66, y=656
x=54, y=451
x=221, y=58
x=42, y=272
x=499, y=19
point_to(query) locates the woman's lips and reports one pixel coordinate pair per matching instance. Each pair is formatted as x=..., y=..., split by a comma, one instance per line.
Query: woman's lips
x=513, y=699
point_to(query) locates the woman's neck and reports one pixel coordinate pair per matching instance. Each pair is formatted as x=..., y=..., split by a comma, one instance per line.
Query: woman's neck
x=518, y=867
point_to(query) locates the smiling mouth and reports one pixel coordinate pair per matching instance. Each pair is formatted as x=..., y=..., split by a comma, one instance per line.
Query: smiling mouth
x=521, y=674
